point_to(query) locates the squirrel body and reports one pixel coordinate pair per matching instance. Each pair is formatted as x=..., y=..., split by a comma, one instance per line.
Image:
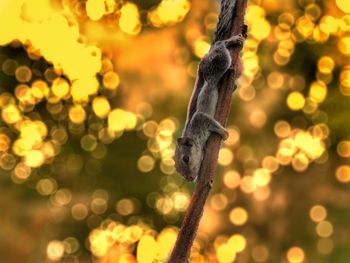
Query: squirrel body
x=190, y=146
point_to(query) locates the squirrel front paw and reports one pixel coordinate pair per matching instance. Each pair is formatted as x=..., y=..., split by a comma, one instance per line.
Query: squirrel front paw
x=236, y=40
x=240, y=40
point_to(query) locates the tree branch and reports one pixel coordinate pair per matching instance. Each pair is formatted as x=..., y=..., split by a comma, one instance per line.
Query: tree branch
x=231, y=22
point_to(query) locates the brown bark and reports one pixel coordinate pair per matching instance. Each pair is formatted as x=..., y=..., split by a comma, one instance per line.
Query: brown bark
x=231, y=22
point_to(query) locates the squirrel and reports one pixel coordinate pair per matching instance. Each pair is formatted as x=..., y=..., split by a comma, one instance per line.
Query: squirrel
x=190, y=146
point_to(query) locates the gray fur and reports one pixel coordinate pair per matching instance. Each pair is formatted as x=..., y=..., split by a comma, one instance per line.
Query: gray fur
x=225, y=19
x=223, y=31
x=190, y=147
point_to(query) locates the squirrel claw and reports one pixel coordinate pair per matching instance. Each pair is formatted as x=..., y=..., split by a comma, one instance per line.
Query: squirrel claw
x=225, y=135
x=240, y=39
x=236, y=40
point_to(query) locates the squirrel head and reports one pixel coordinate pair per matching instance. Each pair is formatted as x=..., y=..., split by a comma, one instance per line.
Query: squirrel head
x=188, y=157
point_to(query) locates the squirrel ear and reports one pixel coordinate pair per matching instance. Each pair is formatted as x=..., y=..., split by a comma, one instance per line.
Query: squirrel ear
x=190, y=140
x=180, y=140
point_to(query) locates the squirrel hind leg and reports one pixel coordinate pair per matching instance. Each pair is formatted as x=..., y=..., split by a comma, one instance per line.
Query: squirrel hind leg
x=215, y=64
x=219, y=129
x=213, y=125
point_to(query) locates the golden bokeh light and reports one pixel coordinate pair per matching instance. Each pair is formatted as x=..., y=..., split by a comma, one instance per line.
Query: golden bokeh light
x=83, y=88
x=99, y=243
x=181, y=201
x=129, y=21
x=23, y=74
x=119, y=120
x=125, y=207
x=111, y=80
x=344, y=45
x=275, y=80
x=101, y=107
x=88, y=142
x=282, y=129
x=231, y=179
x=343, y=149
x=324, y=229
x=166, y=240
x=225, y=254
x=225, y=156
x=238, y=216
x=260, y=28
x=145, y=163
x=260, y=253
x=71, y=245
x=46, y=186
x=261, y=177
x=270, y=163
x=60, y=88
x=77, y=114
x=218, y=202
x=238, y=242
x=258, y=118
x=147, y=249
x=55, y=250
x=11, y=114
x=247, y=185
x=95, y=9
x=62, y=197
x=234, y=135
x=295, y=255
x=34, y=158
x=150, y=128
x=201, y=48
x=325, y=64
x=300, y=162
x=318, y=213
x=98, y=205
x=169, y=12
x=343, y=5
x=22, y=171
x=9, y=66
x=295, y=101
x=4, y=142
x=79, y=211
x=325, y=246
x=345, y=81
x=343, y=173
x=318, y=91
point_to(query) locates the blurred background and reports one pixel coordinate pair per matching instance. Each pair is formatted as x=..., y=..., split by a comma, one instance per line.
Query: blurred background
x=93, y=95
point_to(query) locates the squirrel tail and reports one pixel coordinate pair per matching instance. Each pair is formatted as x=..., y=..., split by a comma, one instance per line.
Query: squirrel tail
x=225, y=19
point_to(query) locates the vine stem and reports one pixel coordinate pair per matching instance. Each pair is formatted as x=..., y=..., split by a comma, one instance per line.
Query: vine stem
x=231, y=22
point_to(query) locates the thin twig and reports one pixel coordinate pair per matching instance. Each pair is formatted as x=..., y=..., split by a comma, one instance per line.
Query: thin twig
x=231, y=22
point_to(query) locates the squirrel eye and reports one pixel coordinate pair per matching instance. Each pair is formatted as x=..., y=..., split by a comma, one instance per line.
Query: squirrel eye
x=188, y=144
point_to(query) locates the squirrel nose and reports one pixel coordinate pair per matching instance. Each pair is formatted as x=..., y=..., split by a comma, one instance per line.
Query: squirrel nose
x=185, y=158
